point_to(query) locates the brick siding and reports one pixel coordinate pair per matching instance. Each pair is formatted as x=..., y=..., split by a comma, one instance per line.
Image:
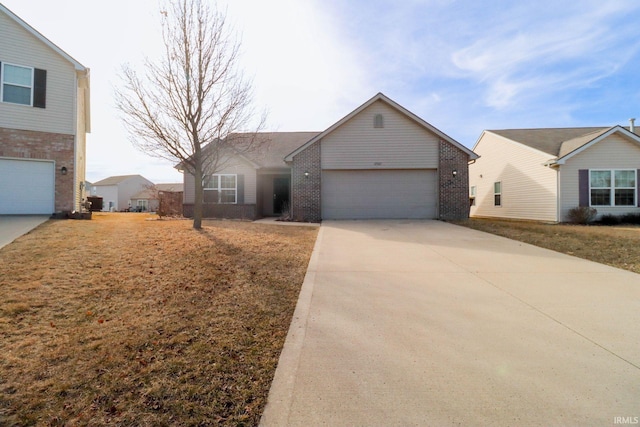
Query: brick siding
x=454, y=191
x=306, y=189
x=215, y=210
x=25, y=144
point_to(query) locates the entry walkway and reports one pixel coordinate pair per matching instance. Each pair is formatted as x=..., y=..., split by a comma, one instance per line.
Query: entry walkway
x=404, y=323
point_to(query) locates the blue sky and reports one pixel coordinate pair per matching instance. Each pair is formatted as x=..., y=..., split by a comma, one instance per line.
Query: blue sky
x=463, y=66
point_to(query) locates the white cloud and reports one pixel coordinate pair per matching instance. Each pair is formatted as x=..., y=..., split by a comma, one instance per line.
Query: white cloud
x=544, y=53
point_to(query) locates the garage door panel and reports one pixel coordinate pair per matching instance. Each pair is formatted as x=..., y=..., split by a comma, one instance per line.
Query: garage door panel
x=377, y=194
x=26, y=187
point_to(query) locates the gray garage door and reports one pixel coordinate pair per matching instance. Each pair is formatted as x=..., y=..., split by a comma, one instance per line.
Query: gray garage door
x=369, y=194
x=26, y=187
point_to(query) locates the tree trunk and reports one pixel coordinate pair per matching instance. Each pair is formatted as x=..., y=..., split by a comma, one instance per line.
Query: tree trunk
x=197, y=205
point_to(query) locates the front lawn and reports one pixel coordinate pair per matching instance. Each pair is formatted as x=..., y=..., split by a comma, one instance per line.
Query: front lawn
x=617, y=246
x=127, y=321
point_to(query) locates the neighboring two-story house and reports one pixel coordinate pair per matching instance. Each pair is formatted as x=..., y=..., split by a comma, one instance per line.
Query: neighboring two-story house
x=44, y=118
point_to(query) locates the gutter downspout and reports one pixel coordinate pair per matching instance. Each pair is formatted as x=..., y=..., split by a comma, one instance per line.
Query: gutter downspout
x=551, y=164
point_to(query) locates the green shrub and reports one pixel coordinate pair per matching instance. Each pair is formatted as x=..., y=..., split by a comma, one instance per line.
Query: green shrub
x=581, y=215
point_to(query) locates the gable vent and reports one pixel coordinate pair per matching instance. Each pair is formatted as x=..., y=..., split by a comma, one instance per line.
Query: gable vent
x=378, y=121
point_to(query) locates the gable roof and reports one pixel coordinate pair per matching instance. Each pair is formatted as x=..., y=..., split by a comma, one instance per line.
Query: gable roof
x=78, y=66
x=115, y=180
x=173, y=187
x=152, y=193
x=279, y=144
x=381, y=97
x=562, y=143
x=276, y=146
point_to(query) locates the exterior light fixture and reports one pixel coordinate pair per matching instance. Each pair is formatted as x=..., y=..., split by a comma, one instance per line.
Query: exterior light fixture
x=63, y=170
x=454, y=173
x=306, y=174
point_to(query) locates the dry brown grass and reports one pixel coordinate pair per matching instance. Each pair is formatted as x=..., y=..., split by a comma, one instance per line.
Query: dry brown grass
x=617, y=246
x=123, y=321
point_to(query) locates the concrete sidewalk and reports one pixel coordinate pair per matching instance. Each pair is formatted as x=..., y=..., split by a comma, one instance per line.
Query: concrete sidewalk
x=403, y=323
x=14, y=226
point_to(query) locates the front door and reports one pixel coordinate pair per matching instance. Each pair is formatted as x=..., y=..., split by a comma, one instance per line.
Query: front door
x=280, y=195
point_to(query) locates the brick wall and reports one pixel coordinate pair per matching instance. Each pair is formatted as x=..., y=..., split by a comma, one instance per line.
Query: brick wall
x=454, y=191
x=215, y=210
x=24, y=144
x=306, y=189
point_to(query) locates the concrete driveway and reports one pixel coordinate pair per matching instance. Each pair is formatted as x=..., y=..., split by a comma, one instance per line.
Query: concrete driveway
x=403, y=323
x=14, y=226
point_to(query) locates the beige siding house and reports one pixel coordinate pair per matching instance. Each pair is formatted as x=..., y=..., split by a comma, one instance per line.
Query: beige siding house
x=540, y=174
x=148, y=200
x=44, y=118
x=379, y=161
x=252, y=186
x=117, y=191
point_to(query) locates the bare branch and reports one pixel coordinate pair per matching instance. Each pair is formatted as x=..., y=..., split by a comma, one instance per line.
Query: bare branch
x=191, y=105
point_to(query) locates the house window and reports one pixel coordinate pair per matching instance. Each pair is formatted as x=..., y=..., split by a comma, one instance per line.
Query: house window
x=378, y=121
x=472, y=195
x=143, y=205
x=615, y=187
x=17, y=84
x=497, y=193
x=220, y=188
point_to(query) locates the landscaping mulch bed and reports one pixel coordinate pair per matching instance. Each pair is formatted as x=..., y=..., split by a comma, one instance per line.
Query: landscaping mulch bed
x=125, y=321
x=617, y=246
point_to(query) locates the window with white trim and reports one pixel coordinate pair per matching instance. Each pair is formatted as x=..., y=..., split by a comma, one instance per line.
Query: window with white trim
x=497, y=193
x=612, y=187
x=221, y=188
x=143, y=204
x=472, y=195
x=17, y=84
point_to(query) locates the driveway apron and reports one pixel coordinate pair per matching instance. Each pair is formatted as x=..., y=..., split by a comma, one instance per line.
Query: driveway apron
x=405, y=323
x=14, y=226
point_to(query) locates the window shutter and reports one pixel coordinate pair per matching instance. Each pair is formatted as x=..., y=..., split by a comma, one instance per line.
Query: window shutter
x=39, y=88
x=637, y=188
x=583, y=187
x=240, y=195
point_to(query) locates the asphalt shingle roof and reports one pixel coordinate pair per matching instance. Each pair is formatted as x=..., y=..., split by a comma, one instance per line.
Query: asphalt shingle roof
x=114, y=180
x=550, y=140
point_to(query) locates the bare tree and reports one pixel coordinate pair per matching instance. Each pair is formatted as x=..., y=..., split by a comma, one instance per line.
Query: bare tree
x=193, y=106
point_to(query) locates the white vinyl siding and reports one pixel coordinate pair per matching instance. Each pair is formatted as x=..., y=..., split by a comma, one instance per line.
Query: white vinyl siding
x=35, y=198
x=529, y=189
x=614, y=152
x=120, y=194
x=399, y=144
x=367, y=194
x=81, y=148
x=234, y=168
x=22, y=48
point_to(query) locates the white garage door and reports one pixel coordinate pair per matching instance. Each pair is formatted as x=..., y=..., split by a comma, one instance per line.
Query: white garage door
x=368, y=194
x=26, y=187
